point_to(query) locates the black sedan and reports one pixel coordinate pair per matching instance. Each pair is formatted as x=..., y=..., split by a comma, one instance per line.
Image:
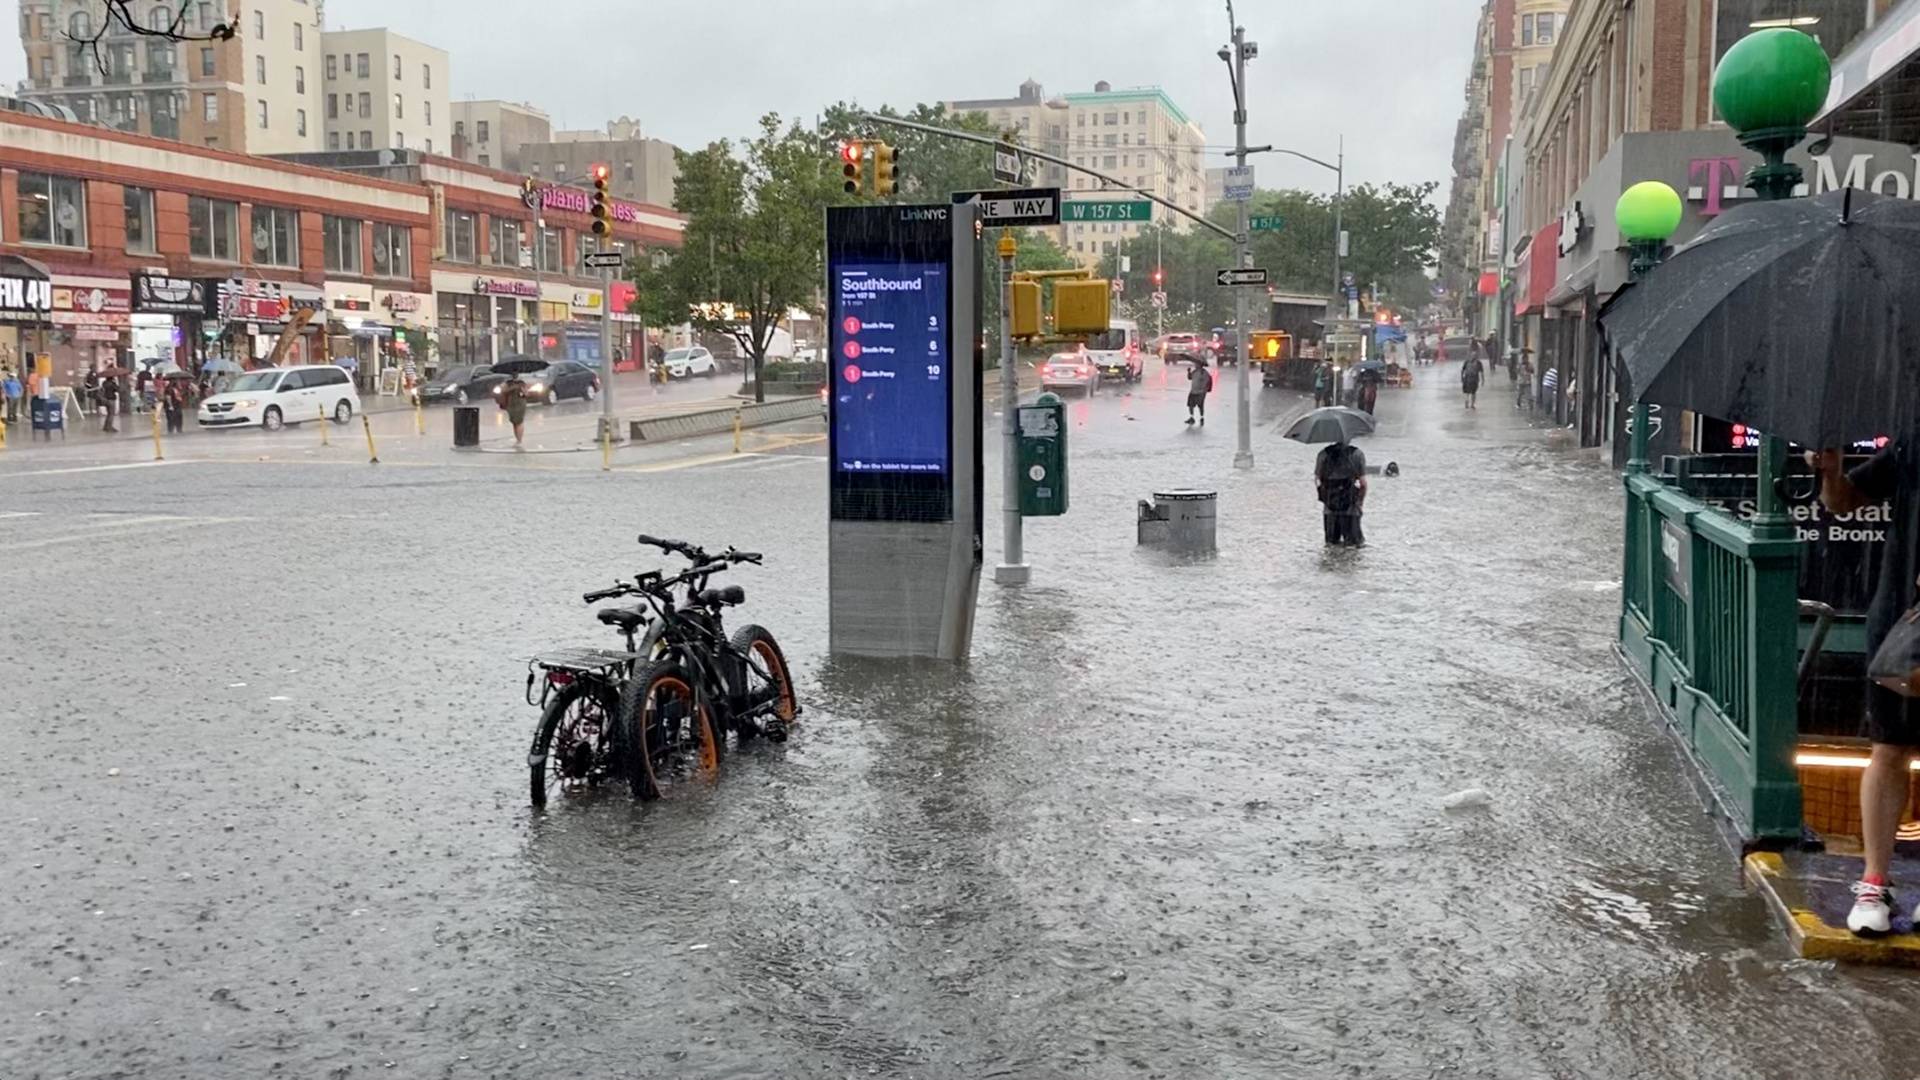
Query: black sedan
x=560, y=379
x=460, y=385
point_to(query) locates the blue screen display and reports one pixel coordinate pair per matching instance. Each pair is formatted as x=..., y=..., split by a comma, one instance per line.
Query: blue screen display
x=890, y=367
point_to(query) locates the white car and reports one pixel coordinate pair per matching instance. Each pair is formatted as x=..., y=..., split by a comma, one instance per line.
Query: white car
x=681, y=363
x=275, y=397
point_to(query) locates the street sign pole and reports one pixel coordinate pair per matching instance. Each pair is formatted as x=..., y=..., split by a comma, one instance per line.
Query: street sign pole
x=608, y=435
x=1243, y=409
x=1013, y=568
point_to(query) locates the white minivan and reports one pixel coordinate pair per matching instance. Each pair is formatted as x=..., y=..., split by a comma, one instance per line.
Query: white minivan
x=1116, y=353
x=272, y=398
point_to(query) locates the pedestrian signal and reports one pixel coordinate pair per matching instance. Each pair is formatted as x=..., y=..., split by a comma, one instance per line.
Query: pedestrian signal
x=602, y=206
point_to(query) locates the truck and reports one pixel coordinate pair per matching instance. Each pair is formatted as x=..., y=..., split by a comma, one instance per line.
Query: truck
x=1300, y=317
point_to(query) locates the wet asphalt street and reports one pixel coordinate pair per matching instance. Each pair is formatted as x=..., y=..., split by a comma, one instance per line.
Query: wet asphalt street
x=267, y=816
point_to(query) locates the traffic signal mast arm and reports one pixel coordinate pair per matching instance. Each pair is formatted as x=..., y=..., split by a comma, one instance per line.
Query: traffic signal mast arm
x=985, y=140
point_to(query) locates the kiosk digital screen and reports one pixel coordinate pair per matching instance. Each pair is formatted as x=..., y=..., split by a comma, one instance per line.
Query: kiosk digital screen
x=890, y=369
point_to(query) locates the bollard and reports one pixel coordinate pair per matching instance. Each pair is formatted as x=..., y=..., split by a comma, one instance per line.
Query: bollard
x=3, y=433
x=373, y=455
x=419, y=416
x=157, y=455
x=736, y=427
x=323, y=425
x=606, y=447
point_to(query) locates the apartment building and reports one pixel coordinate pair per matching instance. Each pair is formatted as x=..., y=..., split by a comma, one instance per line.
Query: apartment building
x=491, y=133
x=643, y=169
x=385, y=91
x=258, y=92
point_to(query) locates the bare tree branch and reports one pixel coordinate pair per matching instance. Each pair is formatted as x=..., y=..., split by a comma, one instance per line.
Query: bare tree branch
x=120, y=13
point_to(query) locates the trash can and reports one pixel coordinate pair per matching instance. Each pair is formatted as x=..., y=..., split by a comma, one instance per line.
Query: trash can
x=466, y=425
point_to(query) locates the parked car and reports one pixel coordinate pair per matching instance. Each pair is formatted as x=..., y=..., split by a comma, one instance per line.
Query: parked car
x=468, y=382
x=560, y=379
x=275, y=397
x=1070, y=371
x=1186, y=348
x=694, y=360
x=1117, y=352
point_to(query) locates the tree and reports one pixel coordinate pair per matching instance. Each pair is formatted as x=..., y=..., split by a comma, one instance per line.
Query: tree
x=931, y=168
x=752, y=246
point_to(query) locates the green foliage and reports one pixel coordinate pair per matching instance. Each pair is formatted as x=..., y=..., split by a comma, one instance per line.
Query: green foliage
x=752, y=239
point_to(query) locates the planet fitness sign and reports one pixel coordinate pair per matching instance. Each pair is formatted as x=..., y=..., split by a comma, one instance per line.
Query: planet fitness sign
x=580, y=202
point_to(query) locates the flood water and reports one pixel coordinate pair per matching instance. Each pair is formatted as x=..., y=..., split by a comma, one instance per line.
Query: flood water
x=1177, y=818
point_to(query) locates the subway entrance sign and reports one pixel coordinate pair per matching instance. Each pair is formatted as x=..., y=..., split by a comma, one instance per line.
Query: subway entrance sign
x=1107, y=210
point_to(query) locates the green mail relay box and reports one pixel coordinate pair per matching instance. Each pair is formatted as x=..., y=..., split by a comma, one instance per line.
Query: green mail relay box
x=1042, y=437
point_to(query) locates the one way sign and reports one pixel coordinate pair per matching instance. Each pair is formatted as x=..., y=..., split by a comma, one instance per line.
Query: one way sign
x=1248, y=276
x=999, y=209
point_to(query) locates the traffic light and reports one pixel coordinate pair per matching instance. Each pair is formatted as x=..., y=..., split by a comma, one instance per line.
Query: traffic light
x=530, y=193
x=851, y=153
x=884, y=158
x=1159, y=278
x=602, y=207
x=1268, y=345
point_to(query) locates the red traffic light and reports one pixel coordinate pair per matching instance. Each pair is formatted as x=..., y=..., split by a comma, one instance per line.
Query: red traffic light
x=1159, y=276
x=850, y=152
x=601, y=172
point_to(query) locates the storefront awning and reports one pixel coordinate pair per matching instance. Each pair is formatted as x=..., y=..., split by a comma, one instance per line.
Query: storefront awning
x=1875, y=92
x=1538, y=270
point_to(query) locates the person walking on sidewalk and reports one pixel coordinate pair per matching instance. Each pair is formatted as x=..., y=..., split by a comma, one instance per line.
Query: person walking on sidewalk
x=1893, y=721
x=1199, y=384
x=1322, y=384
x=10, y=389
x=110, y=400
x=513, y=399
x=174, y=393
x=1470, y=373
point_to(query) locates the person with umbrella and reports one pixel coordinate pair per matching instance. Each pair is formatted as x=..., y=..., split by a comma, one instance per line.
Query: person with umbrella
x=1199, y=384
x=1340, y=470
x=1470, y=373
x=513, y=400
x=1367, y=374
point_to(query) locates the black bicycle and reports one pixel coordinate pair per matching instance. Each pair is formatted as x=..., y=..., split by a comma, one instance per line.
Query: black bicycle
x=577, y=742
x=699, y=684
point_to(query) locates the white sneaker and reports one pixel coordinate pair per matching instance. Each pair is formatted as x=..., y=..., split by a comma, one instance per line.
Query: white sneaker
x=1872, y=912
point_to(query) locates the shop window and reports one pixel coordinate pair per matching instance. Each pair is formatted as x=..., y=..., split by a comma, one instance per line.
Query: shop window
x=53, y=210
x=460, y=230
x=139, y=203
x=212, y=228
x=341, y=237
x=1833, y=23
x=276, y=236
x=392, y=250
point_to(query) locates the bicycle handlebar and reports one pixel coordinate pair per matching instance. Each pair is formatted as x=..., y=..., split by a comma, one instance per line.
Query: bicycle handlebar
x=673, y=547
x=605, y=594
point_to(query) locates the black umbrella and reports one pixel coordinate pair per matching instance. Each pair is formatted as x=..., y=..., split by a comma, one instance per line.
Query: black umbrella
x=1799, y=317
x=1334, y=423
x=519, y=365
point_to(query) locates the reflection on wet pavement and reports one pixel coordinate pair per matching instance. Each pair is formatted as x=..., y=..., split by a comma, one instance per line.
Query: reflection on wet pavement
x=1178, y=818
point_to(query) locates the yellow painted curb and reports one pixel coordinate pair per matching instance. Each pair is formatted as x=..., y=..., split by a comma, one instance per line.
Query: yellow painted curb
x=1812, y=937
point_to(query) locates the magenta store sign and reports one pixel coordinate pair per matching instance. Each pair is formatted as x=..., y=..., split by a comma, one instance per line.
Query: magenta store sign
x=580, y=202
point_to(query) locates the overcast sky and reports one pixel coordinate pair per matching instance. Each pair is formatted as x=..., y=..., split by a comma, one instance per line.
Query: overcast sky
x=1389, y=74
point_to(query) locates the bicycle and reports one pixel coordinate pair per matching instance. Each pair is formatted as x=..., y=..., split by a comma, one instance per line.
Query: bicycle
x=576, y=742
x=699, y=684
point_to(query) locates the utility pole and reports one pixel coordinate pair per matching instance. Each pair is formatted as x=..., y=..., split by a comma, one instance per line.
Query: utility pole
x=1243, y=410
x=606, y=355
x=1339, y=230
x=539, y=288
x=1013, y=569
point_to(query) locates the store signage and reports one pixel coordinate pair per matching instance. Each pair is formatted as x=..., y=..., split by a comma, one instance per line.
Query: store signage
x=351, y=303
x=1573, y=225
x=251, y=300
x=163, y=295
x=24, y=297
x=579, y=201
x=505, y=287
x=589, y=301
x=400, y=302
x=1714, y=182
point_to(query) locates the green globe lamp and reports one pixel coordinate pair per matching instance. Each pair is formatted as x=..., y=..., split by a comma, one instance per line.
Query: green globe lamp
x=1647, y=213
x=1768, y=87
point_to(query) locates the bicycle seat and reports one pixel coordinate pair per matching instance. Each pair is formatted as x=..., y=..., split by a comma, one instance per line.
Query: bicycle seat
x=732, y=594
x=627, y=619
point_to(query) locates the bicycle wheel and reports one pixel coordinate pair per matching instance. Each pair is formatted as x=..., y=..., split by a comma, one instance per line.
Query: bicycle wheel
x=573, y=741
x=768, y=679
x=667, y=729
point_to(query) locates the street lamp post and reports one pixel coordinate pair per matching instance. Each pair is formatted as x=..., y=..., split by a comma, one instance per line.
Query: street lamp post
x=1648, y=213
x=1768, y=87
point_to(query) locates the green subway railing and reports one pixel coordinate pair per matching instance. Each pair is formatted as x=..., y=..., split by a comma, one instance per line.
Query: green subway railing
x=1709, y=620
